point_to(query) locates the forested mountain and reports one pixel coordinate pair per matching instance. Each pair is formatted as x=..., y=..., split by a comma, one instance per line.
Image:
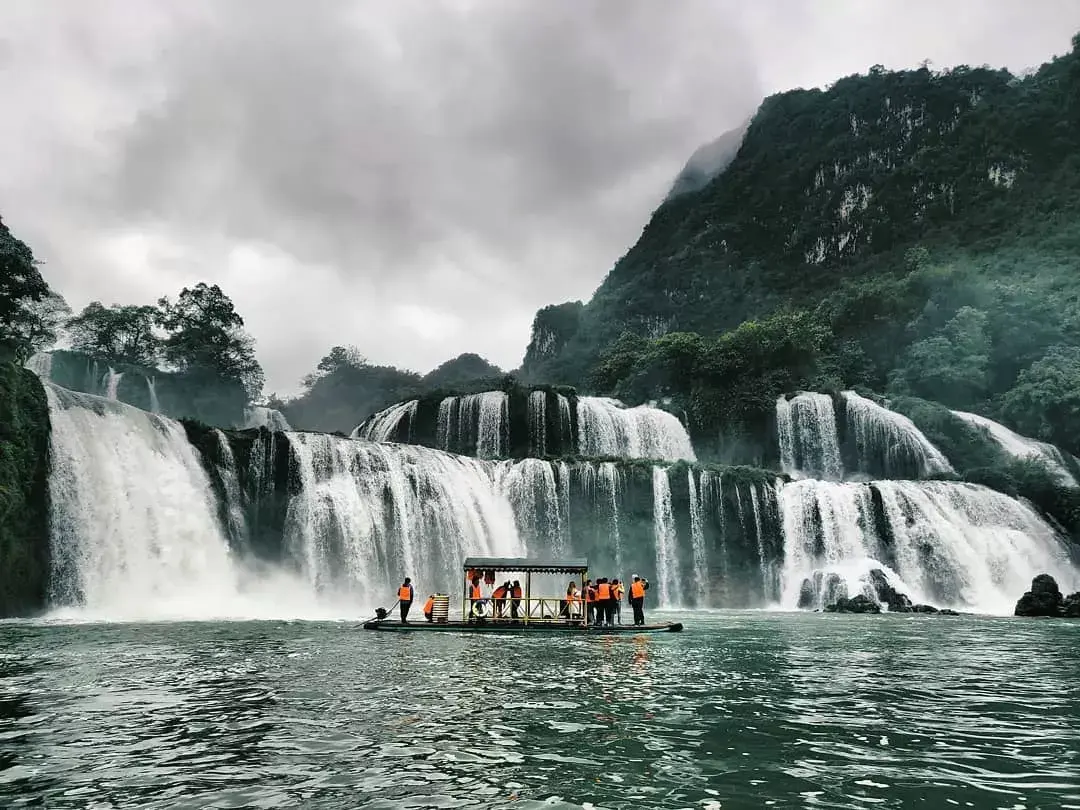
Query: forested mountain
x=910, y=232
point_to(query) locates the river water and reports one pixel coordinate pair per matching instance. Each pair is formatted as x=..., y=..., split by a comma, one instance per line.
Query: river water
x=742, y=710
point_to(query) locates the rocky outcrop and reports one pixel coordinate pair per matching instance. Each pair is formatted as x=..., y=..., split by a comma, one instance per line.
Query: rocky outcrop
x=1045, y=599
x=860, y=603
x=887, y=594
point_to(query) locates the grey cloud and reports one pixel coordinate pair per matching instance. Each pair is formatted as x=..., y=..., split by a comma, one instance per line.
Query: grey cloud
x=470, y=159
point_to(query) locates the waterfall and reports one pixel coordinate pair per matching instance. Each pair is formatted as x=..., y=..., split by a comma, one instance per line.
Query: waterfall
x=111, y=383
x=259, y=416
x=563, y=480
x=698, y=504
x=234, y=504
x=151, y=389
x=606, y=427
x=532, y=490
x=383, y=426
x=41, y=364
x=538, y=424
x=1019, y=446
x=667, y=562
x=475, y=424
x=133, y=526
x=888, y=443
x=601, y=490
x=806, y=430
x=566, y=427
x=365, y=515
x=948, y=544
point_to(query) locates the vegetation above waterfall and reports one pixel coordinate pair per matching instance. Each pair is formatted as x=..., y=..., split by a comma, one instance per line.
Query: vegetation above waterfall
x=24, y=469
x=907, y=232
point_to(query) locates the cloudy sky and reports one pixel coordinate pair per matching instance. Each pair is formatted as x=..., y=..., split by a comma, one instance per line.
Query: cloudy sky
x=415, y=177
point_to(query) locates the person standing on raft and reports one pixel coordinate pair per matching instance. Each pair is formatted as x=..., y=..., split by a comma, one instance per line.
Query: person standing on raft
x=637, y=598
x=405, y=598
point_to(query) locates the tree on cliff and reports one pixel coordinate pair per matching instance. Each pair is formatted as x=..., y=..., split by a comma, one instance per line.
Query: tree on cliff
x=206, y=337
x=116, y=334
x=21, y=286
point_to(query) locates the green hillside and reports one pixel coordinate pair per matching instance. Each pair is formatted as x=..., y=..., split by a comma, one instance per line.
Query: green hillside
x=911, y=232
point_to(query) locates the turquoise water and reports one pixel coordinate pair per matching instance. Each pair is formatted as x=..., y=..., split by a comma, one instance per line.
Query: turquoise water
x=742, y=710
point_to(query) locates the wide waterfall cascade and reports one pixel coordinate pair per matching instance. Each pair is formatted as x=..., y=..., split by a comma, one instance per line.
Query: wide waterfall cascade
x=474, y=423
x=536, y=498
x=259, y=416
x=606, y=427
x=134, y=530
x=806, y=430
x=1022, y=447
x=890, y=441
x=367, y=514
x=383, y=426
x=667, y=566
x=943, y=543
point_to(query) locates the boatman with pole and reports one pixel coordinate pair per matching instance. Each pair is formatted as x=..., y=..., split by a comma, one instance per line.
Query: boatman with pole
x=405, y=596
x=637, y=598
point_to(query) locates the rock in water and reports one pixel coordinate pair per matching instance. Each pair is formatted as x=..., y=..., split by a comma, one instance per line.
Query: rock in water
x=856, y=604
x=1044, y=598
x=886, y=593
x=1071, y=606
x=807, y=595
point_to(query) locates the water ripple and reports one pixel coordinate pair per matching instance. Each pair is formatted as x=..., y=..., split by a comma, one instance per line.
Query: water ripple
x=744, y=710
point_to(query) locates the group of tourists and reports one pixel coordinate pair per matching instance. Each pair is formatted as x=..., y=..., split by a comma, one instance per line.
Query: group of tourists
x=601, y=601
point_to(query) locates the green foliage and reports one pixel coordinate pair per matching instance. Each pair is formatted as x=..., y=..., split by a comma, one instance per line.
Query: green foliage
x=462, y=370
x=1045, y=402
x=966, y=446
x=21, y=286
x=24, y=524
x=116, y=334
x=951, y=365
x=206, y=338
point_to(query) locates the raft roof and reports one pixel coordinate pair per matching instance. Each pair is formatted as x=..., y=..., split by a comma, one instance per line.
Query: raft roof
x=567, y=565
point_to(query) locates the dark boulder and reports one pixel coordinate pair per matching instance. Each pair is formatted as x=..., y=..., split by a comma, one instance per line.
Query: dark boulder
x=835, y=589
x=1070, y=608
x=807, y=595
x=859, y=603
x=924, y=609
x=947, y=612
x=887, y=594
x=1044, y=598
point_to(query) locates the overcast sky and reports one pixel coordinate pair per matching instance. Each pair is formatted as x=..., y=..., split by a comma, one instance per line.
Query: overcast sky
x=412, y=176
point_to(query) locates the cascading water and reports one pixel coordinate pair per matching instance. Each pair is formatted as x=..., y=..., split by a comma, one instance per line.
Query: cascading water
x=234, y=504
x=888, y=443
x=697, y=534
x=474, y=424
x=943, y=543
x=259, y=416
x=383, y=426
x=667, y=562
x=566, y=429
x=151, y=390
x=533, y=492
x=806, y=429
x=608, y=428
x=111, y=383
x=538, y=423
x=367, y=514
x=41, y=364
x=1022, y=447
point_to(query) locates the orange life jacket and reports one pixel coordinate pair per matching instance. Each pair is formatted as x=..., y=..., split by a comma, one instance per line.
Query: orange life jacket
x=499, y=593
x=637, y=590
x=429, y=605
x=590, y=594
x=603, y=592
x=404, y=593
x=472, y=575
x=617, y=591
x=516, y=592
x=476, y=593
x=573, y=597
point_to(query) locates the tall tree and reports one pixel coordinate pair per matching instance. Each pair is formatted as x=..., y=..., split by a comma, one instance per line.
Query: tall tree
x=21, y=285
x=206, y=335
x=116, y=334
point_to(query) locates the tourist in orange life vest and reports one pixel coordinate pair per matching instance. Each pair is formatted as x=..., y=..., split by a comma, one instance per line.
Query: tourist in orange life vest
x=569, y=606
x=498, y=598
x=476, y=599
x=637, y=598
x=617, y=591
x=515, y=603
x=590, y=602
x=603, y=601
x=429, y=606
x=405, y=596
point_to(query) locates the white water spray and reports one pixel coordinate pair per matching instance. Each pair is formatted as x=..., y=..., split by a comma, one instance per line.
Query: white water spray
x=606, y=427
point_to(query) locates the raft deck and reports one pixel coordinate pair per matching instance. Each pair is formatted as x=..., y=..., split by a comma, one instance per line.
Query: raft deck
x=523, y=627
